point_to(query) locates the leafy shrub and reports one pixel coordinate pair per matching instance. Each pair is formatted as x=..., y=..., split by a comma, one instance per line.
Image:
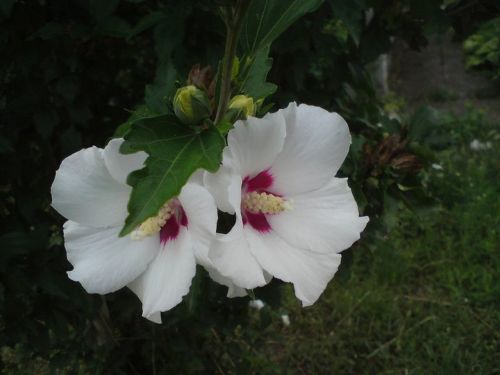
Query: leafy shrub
x=482, y=49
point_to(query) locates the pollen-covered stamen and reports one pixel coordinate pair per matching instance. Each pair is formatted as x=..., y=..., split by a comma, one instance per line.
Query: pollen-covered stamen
x=154, y=224
x=265, y=203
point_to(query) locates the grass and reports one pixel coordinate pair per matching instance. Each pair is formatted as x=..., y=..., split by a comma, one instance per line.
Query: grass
x=424, y=299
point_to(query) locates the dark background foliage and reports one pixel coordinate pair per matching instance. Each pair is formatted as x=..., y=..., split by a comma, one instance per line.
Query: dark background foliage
x=72, y=71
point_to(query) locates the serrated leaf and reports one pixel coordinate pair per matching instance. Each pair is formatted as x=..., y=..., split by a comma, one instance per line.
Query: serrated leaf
x=267, y=19
x=140, y=112
x=175, y=153
x=264, y=22
x=254, y=81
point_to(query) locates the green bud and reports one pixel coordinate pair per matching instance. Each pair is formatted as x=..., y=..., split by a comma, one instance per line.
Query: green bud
x=191, y=105
x=236, y=68
x=244, y=104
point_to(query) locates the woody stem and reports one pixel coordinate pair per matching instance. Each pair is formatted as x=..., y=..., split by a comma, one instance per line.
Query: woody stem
x=233, y=18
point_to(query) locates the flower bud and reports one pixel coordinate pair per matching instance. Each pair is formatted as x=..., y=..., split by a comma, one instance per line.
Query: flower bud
x=191, y=105
x=243, y=104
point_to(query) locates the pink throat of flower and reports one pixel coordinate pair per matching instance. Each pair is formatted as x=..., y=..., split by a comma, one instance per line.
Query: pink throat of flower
x=170, y=230
x=259, y=183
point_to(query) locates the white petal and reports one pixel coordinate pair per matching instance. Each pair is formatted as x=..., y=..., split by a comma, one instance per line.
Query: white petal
x=155, y=317
x=232, y=290
x=232, y=259
x=168, y=277
x=234, y=200
x=197, y=177
x=268, y=277
x=323, y=220
x=83, y=191
x=120, y=165
x=104, y=262
x=135, y=287
x=255, y=143
x=308, y=271
x=316, y=144
x=201, y=213
x=218, y=184
x=229, y=253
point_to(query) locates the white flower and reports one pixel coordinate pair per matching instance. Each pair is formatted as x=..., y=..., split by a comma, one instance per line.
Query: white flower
x=158, y=260
x=293, y=217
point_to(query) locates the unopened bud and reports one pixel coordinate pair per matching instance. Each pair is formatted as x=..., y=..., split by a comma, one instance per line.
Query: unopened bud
x=191, y=105
x=244, y=104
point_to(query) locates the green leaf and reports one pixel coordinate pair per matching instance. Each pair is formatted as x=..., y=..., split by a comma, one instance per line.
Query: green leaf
x=158, y=93
x=254, y=81
x=352, y=15
x=168, y=35
x=424, y=122
x=140, y=112
x=264, y=22
x=267, y=19
x=175, y=153
x=224, y=126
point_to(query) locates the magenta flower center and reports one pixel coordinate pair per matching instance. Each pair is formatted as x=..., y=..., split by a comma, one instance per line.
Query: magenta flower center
x=257, y=201
x=167, y=222
x=170, y=230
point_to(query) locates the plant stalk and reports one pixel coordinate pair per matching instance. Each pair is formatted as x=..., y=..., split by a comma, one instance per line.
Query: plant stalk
x=234, y=21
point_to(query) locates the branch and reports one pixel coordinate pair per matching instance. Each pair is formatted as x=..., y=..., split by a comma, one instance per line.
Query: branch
x=233, y=18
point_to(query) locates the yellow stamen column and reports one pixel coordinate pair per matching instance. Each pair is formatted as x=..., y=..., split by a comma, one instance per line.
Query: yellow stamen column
x=154, y=224
x=265, y=203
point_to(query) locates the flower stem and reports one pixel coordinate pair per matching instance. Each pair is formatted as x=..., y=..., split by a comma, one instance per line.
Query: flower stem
x=233, y=18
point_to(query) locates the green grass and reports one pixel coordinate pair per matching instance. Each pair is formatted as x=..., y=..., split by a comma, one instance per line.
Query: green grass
x=424, y=299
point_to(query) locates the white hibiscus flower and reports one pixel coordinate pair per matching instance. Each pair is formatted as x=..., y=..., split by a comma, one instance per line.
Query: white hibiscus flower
x=158, y=260
x=293, y=217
